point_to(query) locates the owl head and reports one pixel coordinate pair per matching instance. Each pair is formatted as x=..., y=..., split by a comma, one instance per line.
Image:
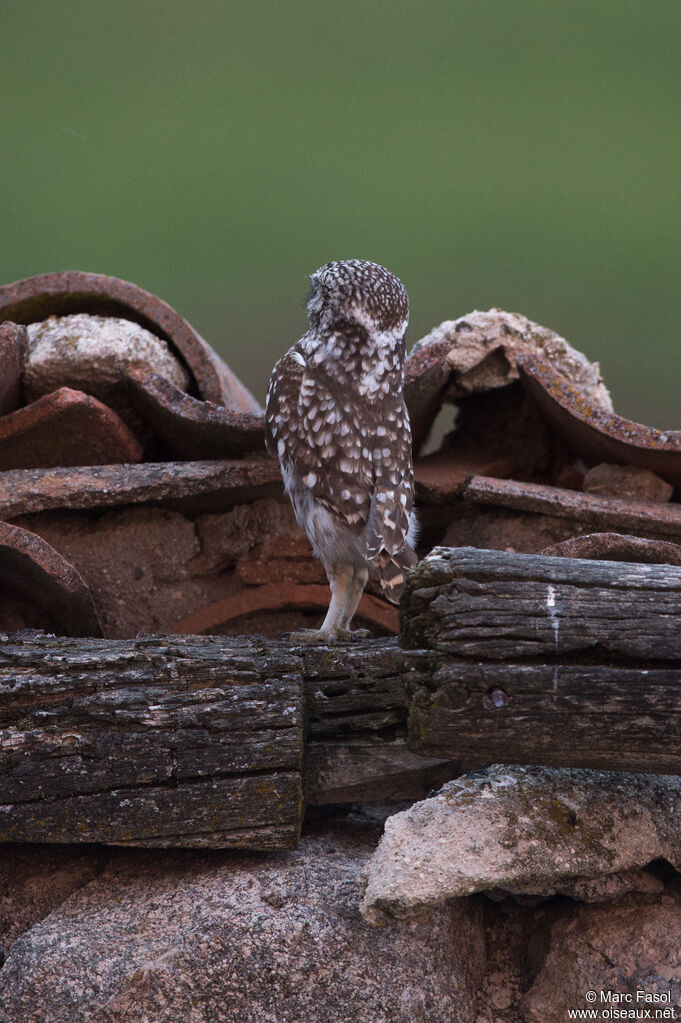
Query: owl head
x=356, y=292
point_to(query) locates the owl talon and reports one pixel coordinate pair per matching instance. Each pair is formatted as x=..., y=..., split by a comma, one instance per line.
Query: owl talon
x=352, y=635
x=308, y=636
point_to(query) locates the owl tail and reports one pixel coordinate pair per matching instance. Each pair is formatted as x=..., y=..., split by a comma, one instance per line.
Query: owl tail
x=391, y=571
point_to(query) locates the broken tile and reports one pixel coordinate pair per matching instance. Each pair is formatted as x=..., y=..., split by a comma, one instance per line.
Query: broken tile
x=441, y=477
x=593, y=432
x=190, y=428
x=71, y=291
x=485, y=348
x=33, y=570
x=65, y=428
x=426, y=373
x=616, y=547
x=626, y=481
x=13, y=345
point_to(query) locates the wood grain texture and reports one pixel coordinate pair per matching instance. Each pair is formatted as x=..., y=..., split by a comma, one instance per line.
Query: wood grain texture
x=546, y=660
x=560, y=715
x=199, y=741
x=156, y=741
x=498, y=605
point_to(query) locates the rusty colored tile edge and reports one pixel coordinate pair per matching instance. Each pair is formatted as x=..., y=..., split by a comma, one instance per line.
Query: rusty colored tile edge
x=616, y=547
x=24, y=491
x=45, y=414
x=191, y=428
x=73, y=291
x=40, y=572
x=592, y=431
x=649, y=516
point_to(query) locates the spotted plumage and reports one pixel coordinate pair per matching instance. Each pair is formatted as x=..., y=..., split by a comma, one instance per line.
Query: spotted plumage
x=337, y=422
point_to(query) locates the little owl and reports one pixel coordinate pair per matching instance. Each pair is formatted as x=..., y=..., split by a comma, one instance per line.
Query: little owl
x=337, y=421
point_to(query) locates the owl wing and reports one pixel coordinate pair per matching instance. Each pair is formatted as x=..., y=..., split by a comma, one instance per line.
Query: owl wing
x=354, y=457
x=282, y=395
x=315, y=430
x=392, y=496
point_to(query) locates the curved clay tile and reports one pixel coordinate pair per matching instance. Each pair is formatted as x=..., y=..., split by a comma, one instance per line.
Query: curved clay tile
x=426, y=373
x=280, y=598
x=65, y=428
x=201, y=486
x=72, y=291
x=190, y=428
x=31, y=568
x=13, y=346
x=616, y=547
x=594, y=433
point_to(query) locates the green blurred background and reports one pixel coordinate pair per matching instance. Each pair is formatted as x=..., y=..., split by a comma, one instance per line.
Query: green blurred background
x=518, y=153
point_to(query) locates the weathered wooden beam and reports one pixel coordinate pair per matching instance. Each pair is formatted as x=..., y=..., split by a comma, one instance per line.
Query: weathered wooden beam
x=546, y=660
x=191, y=741
x=497, y=605
x=197, y=741
x=560, y=715
x=158, y=741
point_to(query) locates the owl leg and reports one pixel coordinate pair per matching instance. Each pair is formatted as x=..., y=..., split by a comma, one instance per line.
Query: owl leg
x=352, y=598
x=345, y=594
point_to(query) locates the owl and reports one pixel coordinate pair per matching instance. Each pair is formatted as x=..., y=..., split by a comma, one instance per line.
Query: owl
x=337, y=421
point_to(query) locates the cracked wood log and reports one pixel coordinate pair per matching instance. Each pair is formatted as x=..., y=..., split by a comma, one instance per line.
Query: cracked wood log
x=158, y=741
x=196, y=741
x=199, y=741
x=545, y=660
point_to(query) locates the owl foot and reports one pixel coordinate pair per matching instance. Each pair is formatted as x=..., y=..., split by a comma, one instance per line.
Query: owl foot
x=309, y=636
x=352, y=635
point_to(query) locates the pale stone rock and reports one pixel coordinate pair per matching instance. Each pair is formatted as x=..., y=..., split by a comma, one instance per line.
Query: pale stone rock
x=36, y=879
x=223, y=937
x=611, y=950
x=603, y=888
x=483, y=353
x=93, y=354
x=525, y=829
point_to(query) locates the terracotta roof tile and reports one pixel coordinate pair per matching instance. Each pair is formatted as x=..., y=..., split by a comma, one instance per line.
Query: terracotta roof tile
x=592, y=510
x=32, y=568
x=72, y=291
x=594, y=433
x=279, y=597
x=190, y=428
x=199, y=486
x=616, y=547
x=65, y=428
